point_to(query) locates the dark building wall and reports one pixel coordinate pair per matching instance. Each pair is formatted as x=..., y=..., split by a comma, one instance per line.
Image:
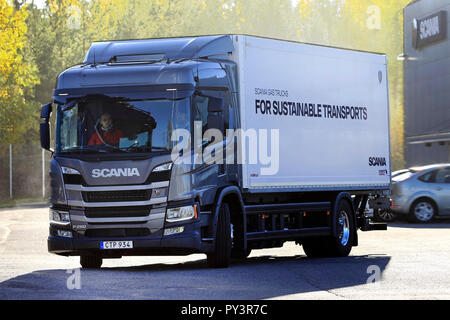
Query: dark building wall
x=420, y=154
x=427, y=82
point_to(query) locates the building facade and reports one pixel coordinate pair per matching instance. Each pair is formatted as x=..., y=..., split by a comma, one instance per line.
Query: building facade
x=426, y=55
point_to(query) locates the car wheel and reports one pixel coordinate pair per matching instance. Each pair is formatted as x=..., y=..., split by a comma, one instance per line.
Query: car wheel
x=386, y=215
x=422, y=211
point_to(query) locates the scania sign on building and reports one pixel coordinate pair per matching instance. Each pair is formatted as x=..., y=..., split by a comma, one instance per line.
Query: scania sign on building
x=426, y=53
x=430, y=29
x=119, y=172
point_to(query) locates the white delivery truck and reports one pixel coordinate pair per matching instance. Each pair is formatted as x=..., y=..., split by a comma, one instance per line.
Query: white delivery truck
x=216, y=145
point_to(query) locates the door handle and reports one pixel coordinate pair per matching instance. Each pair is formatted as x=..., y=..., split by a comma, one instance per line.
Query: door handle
x=438, y=188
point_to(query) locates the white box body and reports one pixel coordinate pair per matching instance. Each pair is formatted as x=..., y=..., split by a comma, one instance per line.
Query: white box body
x=340, y=141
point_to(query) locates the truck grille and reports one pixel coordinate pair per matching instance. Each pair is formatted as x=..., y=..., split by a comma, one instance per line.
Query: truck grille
x=117, y=212
x=116, y=196
x=117, y=233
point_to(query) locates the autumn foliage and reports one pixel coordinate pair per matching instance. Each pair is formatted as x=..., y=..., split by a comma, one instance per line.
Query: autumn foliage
x=36, y=44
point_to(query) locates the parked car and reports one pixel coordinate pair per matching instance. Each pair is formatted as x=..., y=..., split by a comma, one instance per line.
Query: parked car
x=398, y=172
x=422, y=193
x=388, y=215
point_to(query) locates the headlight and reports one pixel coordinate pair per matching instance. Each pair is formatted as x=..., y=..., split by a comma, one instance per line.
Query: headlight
x=59, y=217
x=181, y=213
x=66, y=170
x=163, y=167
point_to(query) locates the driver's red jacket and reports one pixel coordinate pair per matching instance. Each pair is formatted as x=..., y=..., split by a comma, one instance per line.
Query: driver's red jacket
x=111, y=137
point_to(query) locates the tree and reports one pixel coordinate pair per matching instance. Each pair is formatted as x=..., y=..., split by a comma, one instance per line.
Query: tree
x=17, y=77
x=369, y=25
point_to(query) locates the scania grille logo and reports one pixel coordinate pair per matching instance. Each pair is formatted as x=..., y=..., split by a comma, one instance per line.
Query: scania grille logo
x=119, y=172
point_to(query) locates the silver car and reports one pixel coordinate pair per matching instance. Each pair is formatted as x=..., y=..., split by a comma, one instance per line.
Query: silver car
x=422, y=193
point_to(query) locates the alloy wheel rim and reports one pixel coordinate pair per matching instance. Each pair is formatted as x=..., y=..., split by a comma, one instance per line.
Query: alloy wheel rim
x=387, y=215
x=424, y=211
x=344, y=228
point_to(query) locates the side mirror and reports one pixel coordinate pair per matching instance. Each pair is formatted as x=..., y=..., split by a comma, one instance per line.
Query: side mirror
x=45, y=135
x=45, y=126
x=46, y=112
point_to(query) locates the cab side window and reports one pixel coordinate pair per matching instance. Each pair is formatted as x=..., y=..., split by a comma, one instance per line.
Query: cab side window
x=201, y=111
x=201, y=106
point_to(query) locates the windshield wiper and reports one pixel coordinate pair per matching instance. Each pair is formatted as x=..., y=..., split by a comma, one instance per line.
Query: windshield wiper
x=144, y=149
x=79, y=150
x=93, y=149
x=107, y=147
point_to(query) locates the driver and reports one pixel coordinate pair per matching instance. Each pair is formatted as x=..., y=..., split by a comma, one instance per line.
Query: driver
x=105, y=133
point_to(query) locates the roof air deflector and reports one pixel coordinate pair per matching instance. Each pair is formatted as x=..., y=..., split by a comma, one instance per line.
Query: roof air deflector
x=168, y=48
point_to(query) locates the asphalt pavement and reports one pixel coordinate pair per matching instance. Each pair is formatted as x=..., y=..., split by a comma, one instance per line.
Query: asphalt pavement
x=408, y=261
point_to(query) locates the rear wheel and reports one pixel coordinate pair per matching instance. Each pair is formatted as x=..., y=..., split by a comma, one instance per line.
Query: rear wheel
x=334, y=246
x=221, y=256
x=91, y=262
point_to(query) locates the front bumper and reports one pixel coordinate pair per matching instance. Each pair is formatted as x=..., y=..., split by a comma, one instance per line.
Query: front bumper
x=187, y=242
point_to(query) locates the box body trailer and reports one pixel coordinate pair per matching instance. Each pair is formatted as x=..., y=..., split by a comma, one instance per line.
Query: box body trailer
x=331, y=107
x=216, y=145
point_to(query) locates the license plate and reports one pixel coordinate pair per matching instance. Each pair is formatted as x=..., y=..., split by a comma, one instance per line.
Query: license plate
x=116, y=245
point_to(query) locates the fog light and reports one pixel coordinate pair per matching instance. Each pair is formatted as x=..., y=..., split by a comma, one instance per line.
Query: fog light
x=64, y=233
x=169, y=231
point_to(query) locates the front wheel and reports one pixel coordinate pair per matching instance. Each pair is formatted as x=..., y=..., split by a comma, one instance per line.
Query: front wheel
x=221, y=256
x=91, y=262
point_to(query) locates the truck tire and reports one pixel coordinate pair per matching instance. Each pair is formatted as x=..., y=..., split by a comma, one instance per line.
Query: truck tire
x=237, y=249
x=240, y=254
x=221, y=256
x=422, y=210
x=334, y=246
x=91, y=262
x=316, y=247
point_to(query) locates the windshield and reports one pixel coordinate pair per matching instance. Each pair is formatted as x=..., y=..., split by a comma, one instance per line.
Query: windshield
x=116, y=125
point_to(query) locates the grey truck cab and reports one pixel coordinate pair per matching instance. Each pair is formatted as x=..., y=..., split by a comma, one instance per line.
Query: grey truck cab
x=116, y=187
